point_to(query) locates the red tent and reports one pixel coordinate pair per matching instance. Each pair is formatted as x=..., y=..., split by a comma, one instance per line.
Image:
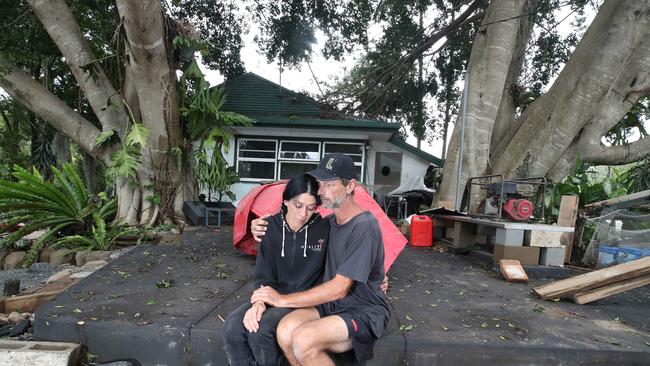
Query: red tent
x=267, y=199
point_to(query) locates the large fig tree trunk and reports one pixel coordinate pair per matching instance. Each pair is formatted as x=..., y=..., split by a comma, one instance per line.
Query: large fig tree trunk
x=605, y=76
x=148, y=96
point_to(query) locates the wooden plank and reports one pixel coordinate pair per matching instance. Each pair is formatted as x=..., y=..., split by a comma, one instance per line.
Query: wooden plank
x=588, y=281
x=630, y=200
x=609, y=290
x=567, y=217
x=504, y=224
x=28, y=303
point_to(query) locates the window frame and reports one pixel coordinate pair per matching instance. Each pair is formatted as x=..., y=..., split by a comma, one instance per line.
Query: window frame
x=263, y=160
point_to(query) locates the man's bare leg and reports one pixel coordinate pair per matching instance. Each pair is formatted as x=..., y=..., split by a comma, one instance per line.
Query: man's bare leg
x=311, y=340
x=287, y=327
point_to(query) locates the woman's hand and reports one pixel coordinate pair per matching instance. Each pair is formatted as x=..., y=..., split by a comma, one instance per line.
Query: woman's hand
x=253, y=316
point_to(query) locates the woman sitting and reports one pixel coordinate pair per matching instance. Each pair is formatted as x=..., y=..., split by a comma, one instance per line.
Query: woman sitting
x=290, y=258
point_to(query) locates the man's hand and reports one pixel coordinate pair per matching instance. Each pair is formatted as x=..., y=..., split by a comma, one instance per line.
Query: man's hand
x=253, y=316
x=384, y=284
x=258, y=227
x=267, y=295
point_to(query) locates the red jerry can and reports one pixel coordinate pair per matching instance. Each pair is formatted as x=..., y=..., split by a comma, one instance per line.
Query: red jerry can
x=421, y=231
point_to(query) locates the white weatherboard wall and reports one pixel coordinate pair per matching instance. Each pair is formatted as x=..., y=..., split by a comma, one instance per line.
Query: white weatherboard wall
x=412, y=165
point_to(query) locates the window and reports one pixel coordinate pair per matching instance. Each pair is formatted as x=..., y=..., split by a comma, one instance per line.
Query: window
x=297, y=157
x=290, y=169
x=256, y=159
x=296, y=150
x=354, y=150
x=270, y=159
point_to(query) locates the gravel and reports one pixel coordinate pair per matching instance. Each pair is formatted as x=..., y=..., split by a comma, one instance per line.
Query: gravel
x=38, y=273
x=31, y=277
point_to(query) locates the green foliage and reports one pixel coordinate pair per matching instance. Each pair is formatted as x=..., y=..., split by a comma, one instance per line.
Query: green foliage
x=633, y=121
x=201, y=109
x=104, y=137
x=14, y=137
x=57, y=206
x=215, y=175
x=590, y=186
x=125, y=161
x=221, y=29
x=288, y=28
x=637, y=177
x=99, y=238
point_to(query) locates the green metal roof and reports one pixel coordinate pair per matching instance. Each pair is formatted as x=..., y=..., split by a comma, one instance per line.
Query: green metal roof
x=356, y=124
x=415, y=151
x=272, y=105
x=252, y=94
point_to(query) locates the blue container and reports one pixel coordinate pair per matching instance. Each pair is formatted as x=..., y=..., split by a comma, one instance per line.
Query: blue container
x=609, y=256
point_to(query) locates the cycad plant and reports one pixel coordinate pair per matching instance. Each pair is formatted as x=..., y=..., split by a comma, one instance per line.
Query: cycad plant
x=60, y=205
x=100, y=237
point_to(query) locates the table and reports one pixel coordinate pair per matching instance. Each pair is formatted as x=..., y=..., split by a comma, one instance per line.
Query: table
x=218, y=211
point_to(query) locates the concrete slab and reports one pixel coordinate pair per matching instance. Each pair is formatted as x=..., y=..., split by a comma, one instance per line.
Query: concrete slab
x=38, y=353
x=143, y=305
x=446, y=310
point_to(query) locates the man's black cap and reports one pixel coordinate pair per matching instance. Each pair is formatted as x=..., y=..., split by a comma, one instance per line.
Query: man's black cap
x=334, y=166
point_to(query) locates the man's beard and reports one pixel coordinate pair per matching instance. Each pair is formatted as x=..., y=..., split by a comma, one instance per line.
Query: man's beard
x=335, y=203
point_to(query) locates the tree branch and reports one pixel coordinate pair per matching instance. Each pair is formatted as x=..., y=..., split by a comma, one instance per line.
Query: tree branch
x=58, y=21
x=618, y=155
x=39, y=100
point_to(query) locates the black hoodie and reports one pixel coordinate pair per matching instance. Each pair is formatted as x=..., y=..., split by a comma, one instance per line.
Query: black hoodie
x=283, y=262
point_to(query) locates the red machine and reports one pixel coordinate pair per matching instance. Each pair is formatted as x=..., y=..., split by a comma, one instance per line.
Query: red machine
x=518, y=208
x=509, y=199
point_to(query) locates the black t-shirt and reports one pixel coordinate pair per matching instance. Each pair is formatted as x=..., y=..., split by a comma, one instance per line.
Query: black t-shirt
x=356, y=251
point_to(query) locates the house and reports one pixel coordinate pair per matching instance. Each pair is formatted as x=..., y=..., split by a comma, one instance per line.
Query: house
x=292, y=132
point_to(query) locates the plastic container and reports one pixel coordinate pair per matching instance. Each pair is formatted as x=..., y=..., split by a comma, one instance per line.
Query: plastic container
x=609, y=256
x=421, y=231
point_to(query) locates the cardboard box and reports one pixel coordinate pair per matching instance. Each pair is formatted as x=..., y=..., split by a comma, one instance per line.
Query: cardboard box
x=525, y=255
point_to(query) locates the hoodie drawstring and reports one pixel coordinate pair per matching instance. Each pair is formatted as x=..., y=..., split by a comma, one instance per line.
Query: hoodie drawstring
x=284, y=230
x=304, y=253
x=286, y=227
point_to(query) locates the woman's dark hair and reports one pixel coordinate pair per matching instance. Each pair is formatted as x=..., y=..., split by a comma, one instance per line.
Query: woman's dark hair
x=298, y=185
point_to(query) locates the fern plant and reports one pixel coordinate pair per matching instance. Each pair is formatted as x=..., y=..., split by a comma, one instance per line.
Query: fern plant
x=60, y=205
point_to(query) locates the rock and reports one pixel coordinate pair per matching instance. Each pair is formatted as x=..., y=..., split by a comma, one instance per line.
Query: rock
x=80, y=257
x=175, y=231
x=98, y=255
x=60, y=275
x=15, y=330
x=93, y=266
x=4, y=318
x=45, y=255
x=61, y=256
x=26, y=315
x=15, y=317
x=14, y=260
x=80, y=275
x=3, y=253
x=35, y=235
